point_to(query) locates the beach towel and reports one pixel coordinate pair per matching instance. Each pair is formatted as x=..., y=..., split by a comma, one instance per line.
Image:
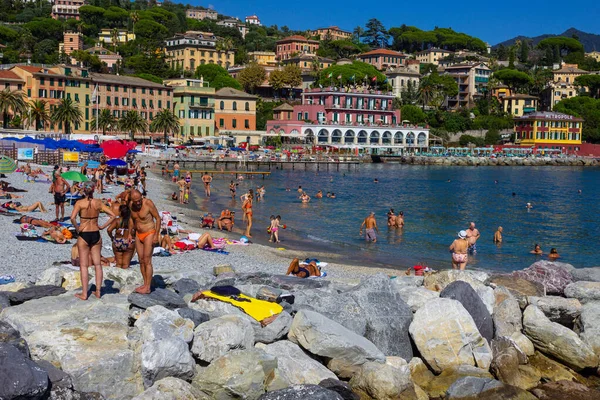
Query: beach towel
x=260, y=310
x=4, y=279
x=215, y=250
x=223, y=241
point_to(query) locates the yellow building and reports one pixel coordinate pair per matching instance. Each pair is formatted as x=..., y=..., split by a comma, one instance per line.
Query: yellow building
x=562, y=85
x=548, y=128
x=432, y=55
x=194, y=103
x=191, y=49
x=306, y=62
x=332, y=33
x=123, y=36
x=594, y=54
x=263, y=58
x=519, y=104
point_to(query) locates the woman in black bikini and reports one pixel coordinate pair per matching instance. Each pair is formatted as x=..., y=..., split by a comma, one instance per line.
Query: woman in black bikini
x=89, y=240
x=121, y=234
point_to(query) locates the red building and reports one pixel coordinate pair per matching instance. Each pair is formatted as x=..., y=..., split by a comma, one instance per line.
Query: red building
x=295, y=45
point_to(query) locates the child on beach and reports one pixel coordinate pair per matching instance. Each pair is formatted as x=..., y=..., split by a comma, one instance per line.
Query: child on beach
x=275, y=224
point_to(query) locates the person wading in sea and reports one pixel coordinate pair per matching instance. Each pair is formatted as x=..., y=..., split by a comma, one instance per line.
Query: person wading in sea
x=472, y=236
x=146, y=223
x=458, y=248
x=371, y=227
x=207, y=179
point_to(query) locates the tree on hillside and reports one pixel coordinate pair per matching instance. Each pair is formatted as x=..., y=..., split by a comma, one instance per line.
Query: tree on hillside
x=501, y=53
x=435, y=88
x=564, y=44
x=515, y=80
x=217, y=76
x=592, y=82
x=336, y=49
x=252, y=77
x=292, y=75
x=587, y=108
x=357, y=73
x=524, y=51
x=376, y=34
x=410, y=95
x=412, y=113
x=358, y=33
x=88, y=60
x=277, y=80
x=540, y=79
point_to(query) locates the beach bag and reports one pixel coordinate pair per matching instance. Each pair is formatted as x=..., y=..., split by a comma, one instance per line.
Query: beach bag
x=269, y=294
x=225, y=290
x=67, y=234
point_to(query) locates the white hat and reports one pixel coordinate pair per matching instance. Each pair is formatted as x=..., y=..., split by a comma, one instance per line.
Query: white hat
x=462, y=234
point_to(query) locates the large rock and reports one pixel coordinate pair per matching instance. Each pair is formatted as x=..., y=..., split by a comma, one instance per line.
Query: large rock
x=186, y=286
x=57, y=377
x=216, y=337
x=34, y=292
x=508, y=365
x=171, y=389
x=340, y=387
x=472, y=388
x=16, y=286
x=555, y=276
x=520, y=288
x=558, y=309
x=239, y=374
x=463, y=293
x=508, y=321
x=294, y=367
x=51, y=276
x=166, y=357
x=556, y=340
x=157, y=323
x=197, y=317
x=583, y=291
x=416, y=297
x=381, y=381
x=89, y=340
x=438, y=385
x=565, y=390
x=590, y=325
x=326, y=338
x=550, y=370
x=4, y=301
x=124, y=277
x=439, y=280
x=446, y=336
x=373, y=309
x=302, y=392
x=586, y=274
x=20, y=378
x=158, y=297
x=9, y=335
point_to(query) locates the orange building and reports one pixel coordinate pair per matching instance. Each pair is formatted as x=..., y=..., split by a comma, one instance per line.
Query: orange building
x=295, y=45
x=235, y=115
x=10, y=80
x=383, y=58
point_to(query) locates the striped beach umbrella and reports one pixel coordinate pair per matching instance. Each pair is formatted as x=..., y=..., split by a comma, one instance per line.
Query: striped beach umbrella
x=7, y=165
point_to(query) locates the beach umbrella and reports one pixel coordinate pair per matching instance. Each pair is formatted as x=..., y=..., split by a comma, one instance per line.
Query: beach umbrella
x=116, y=163
x=115, y=148
x=133, y=151
x=7, y=165
x=74, y=176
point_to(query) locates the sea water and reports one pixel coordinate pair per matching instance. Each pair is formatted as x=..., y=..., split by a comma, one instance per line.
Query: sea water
x=437, y=202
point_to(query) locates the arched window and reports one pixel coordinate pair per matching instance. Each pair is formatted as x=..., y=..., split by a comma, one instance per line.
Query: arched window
x=222, y=105
x=247, y=106
x=235, y=106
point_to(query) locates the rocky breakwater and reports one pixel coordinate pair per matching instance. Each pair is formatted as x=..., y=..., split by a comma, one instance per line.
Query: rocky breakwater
x=450, y=335
x=500, y=161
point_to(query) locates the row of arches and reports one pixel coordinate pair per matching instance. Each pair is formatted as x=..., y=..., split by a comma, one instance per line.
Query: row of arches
x=374, y=137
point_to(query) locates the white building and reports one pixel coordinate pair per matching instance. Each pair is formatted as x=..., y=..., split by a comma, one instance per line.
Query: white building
x=253, y=20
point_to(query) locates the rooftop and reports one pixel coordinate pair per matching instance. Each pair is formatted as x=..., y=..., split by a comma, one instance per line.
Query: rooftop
x=284, y=107
x=550, y=115
x=382, y=51
x=568, y=69
x=433, y=49
x=125, y=80
x=520, y=96
x=402, y=70
x=296, y=38
x=9, y=75
x=302, y=57
x=332, y=28
x=234, y=93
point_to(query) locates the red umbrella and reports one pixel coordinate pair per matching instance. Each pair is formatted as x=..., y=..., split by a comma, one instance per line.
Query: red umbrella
x=115, y=148
x=180, y=147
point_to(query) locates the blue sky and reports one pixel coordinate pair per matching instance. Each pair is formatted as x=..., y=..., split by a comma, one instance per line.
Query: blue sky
x=493, y=21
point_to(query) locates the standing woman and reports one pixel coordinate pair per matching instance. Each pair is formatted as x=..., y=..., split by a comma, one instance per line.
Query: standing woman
x=458, y=248
x=121, y=234
x=89, y=241
x=247, y=209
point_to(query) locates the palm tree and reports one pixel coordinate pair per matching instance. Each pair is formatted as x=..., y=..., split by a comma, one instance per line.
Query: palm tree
x=133, y=123
x=224, y=44
x=105, y=121
x=135, y=17
x=37, y=113
x=66, y=112
x=167, y=122
x=11, y=101
x=114, y=36
x=358, y=32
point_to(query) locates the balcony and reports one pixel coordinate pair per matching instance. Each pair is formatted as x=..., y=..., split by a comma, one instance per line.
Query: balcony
x=201, y=105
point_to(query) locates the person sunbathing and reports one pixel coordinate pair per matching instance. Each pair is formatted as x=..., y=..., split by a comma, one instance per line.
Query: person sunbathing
x=21, y=208
x=9, y=196
x=55, y=234
x=35, y=221
x=304, y=271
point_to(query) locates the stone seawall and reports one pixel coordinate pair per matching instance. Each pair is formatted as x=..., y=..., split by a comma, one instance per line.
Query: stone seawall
x=502, y=161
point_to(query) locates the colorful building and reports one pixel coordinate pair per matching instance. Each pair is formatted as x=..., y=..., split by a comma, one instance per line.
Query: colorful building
x=10, y=80
x=66, y=9
x=332, y=33
x=359, y=118
x=500, y=91
x=235, y=114
x=194, y=104
x=191, y=49
x=307, y=62
x=472, y=80
x=108, y=57
x=562, y=85
x=519, y=104
x=594, y=54
x=400, y=77
x=236, y=24
x=122, y=36
x=253, y=20
x=383, y=59
x=550, y=131
x=263, y=58
x=71, y=41
x=432, y=55
x=295, y=45
x=200, y=14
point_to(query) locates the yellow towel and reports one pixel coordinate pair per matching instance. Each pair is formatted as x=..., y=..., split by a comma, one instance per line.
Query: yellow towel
x=257, y=309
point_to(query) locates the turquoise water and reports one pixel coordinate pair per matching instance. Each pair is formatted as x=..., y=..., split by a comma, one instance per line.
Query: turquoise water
x=434, y=211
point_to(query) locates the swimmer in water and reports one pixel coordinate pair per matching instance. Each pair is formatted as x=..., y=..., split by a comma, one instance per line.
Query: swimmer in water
x=332, y=196
x=300, y=189
x=529, y=206
x=498, y=235
x=400, y=220
x=579, y=191
x=328, y=195
x=304, y=197
x=553, y=254
x=319, y=194
x=537, y=250
x=376, y=180
x=514, y=194
x=496, y=182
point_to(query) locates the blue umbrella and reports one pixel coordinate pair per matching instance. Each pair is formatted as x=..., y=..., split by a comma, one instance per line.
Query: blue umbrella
x=133, y=151
x=115, y=162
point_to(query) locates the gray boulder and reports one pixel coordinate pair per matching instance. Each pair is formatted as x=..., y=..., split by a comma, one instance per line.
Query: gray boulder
x=171, y=389
x=340, y=387
x=20, y=378
x=167, y=357
x=197, y=317
x=34, y=292
x=464, y=294
x=508, y=323
x=10, y=335
x=216, y=337
x=239, y=374
x=520, y=288
x=381, y=381
x=123, y=277
x=590, y=325
x=185, y=286
x=58, y=378
x=294, y=366
x=157, y=323
x=158, y=297
x=586, y=274
x=4, y=301
x=446, y=336
x=439, y=280
x=583, y=291
x=326, y=338
x=416, y=297
x=558, y=309
x=509, y=366
x=557, y=341
x=302, y=392
x=276, y=330
x=471, y=387
x=51, y=276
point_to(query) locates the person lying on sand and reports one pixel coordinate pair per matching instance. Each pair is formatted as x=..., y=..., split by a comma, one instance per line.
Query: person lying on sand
x=35, y=221
x=9, y=196
x=21, y=208
x=305, y=271
x=55, y=234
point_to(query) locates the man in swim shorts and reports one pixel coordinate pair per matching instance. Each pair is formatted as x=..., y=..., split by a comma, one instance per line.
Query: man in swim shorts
x=371, y=227
x=207, y=179
x=60, y=188
x=146, y=222
x=472, y=236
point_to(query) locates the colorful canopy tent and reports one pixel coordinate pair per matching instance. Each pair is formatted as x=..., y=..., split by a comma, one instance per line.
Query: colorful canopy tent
x=51, y=144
